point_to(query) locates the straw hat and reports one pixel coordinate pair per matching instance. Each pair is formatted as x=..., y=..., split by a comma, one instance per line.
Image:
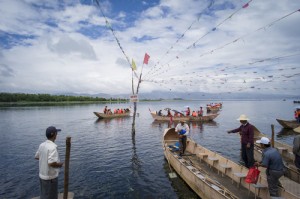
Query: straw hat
x=243, y=117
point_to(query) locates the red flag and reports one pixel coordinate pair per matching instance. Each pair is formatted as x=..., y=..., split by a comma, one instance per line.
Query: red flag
x=246, y=5
x=146, y=58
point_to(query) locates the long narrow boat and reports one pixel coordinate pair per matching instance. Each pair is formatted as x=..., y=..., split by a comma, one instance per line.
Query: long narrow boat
x=110, y=116
x=211, y=175
x=204, y=118
x=289, y=124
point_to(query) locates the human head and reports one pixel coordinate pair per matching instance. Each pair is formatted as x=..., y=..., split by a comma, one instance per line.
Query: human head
x=264, y=141
x=182, y=121
x=51, y=131
x=243, y=119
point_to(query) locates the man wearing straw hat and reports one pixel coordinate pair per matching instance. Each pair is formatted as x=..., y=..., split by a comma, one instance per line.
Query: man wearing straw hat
x=246, y=131
x=183, y=130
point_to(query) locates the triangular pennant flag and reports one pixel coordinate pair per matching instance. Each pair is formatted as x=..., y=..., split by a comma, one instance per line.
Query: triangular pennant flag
x=133, y=65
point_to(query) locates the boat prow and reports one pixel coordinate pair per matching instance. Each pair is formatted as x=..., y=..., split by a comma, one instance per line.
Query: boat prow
x=288, y=124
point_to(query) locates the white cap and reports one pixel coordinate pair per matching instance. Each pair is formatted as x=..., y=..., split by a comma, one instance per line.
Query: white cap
x=263, y=140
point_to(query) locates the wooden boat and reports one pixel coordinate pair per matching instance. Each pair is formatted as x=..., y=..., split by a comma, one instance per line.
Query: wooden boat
x=211, y=175
x=286, y=152
x=110, y=116
x=289, y=124
x=212, y=109
x=204, y=118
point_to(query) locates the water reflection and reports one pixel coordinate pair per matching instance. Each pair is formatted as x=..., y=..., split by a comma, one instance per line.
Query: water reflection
x=180, y=187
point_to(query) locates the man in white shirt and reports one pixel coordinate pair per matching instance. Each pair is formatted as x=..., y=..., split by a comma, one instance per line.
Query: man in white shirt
x=183, y=130
x=49, y=164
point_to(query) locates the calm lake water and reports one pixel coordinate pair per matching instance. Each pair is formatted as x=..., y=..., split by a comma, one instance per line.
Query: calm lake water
x=105, y=161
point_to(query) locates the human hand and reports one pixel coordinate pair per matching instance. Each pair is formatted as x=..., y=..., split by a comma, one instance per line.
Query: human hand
x=248, y=145
x=229, y=132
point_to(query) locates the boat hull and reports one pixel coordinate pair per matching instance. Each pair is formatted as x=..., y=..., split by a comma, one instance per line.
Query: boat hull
x=288, y=124
x=205, y=118
x=110, y=116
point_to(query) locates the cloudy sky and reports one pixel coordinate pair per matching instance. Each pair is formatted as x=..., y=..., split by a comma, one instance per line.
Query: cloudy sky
x=79, y=46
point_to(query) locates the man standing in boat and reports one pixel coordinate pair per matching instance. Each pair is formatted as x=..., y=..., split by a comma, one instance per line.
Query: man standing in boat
x=272, y=160
x=183, y=130
x=246, y=131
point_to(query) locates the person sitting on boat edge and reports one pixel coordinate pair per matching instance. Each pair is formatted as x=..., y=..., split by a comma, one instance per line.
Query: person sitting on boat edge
x=194, y=114
x=246, y=131
x=296, y=151
x=183, y=130
x=105, y=110
x=272, y=160
x=200, y=112
x=169, y=114
x=188, y=111
x=159, y=113
x=298, y=115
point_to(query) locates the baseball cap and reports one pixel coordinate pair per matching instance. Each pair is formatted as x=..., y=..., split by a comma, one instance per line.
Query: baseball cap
x=263, y=140
x=51, y=130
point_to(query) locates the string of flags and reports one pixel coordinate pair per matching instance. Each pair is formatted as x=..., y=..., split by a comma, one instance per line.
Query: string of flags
x=154, y=73
x=207, y=33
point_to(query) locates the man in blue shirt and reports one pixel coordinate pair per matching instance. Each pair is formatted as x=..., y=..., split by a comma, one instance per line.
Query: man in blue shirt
x=272, y=160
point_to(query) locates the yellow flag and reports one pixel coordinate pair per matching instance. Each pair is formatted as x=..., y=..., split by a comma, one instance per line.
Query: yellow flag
x=133, y=66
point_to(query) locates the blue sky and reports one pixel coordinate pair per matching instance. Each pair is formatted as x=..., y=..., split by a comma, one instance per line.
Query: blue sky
x=194, y=45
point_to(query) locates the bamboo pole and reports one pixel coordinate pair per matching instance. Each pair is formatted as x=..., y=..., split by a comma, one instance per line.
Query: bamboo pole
x=272, y=140
x=67, y=160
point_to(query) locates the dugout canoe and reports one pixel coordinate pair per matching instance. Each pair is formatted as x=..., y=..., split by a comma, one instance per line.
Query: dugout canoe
x=111, y=116
x=211, y=175
x=204, y=118
x=288, y=124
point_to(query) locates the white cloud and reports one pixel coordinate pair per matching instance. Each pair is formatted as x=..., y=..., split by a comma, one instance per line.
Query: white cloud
x=68, y=56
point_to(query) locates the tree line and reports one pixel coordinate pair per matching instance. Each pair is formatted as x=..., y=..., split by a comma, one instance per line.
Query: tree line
x=23, y=97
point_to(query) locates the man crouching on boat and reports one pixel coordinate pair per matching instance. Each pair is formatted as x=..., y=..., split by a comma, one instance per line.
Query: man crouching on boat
x=183, y=130
x=272, y=160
